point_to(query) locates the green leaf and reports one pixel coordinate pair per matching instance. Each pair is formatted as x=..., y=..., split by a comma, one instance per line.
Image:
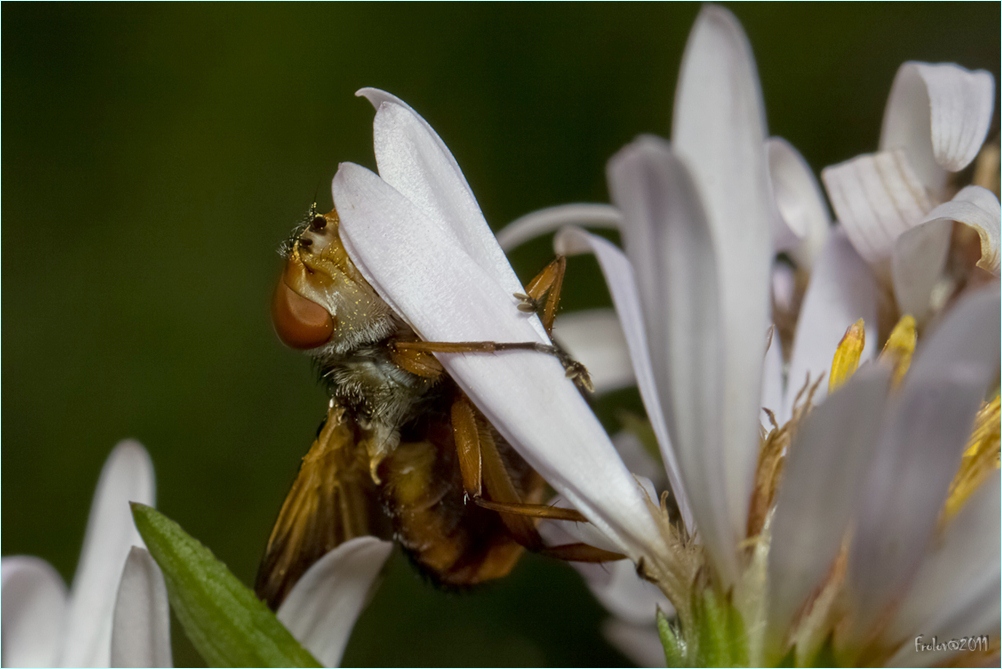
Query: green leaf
x=675, y=655
x=225, y=621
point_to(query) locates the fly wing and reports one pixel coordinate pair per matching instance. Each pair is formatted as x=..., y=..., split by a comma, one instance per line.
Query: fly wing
x=332, y=500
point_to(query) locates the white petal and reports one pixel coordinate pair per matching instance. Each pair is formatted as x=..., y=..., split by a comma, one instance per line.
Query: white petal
x=639, y=643
x=920, y=254
x=801, y=205
x=978, y=208
x=939, y=115
x=953, y=573
x=876, y=198
x=551, y=219
x=127, y=476
x=445, y=295
x=772, y=381
x=668, y=240
x=822, y=479
x=842, y=290
x=416, y=162
x=924, y=436
x=979, y=618
x=595, y=339
x=627, y=596
x=140, y=635
x=917, y=264
x=34, y=611
x=615, y=585
x=321, y=609
x=966, y=338
x=784, y=285
x=718, y=131
x=619, y=278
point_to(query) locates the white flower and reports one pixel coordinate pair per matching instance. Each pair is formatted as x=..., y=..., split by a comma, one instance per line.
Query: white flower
x=116, y=610
x=897, y=205
x=116, y=614
x=696, y=222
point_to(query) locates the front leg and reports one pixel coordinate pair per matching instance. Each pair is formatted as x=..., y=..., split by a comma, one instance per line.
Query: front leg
x=572, y=368
x=547, y=283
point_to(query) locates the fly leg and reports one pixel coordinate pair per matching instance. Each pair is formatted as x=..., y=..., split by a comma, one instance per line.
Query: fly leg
x=547, y=283
x=572, y=368
x=481, y=467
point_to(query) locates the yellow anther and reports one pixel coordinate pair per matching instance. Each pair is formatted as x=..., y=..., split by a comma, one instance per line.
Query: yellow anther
x=847, y=354
x=899, y=348
x=980, y=458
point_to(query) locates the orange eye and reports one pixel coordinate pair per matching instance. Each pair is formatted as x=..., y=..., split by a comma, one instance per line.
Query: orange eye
x=300, y=323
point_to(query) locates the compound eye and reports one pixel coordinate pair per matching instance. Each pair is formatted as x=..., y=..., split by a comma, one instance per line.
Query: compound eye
x=318, y=223
x=300, y=323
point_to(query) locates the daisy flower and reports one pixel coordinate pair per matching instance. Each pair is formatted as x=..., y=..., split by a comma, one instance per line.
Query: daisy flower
x=116, y=611
x=826, y=537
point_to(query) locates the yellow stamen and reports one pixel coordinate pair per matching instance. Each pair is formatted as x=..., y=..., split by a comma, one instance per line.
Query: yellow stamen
x=847, y=354
x=980, y=458
x=899, y=348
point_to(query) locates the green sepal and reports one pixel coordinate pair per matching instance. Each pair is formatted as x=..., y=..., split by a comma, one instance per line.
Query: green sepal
x=790, y=659
x=721, y=639
x=825, y=657
x=675, y=655
x=225, y=621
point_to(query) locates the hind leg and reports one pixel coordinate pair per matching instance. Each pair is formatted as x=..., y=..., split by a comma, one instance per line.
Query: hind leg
x=481, y=467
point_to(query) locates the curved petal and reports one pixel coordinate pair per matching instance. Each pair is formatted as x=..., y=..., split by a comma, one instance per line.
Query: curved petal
x=416, y=162
x=321, y=609
x=551, y=219
x=842, y=290
x=595, y=339
x=622, y=287
x=446, y=295
x=978, y=208
x=876, y=198
x=952, y=575
x=920, y=254
x=34, y=611
x=140, y=635
x=640, y=643
x=917, y=264
x=127, y=476
x=718, y=131
x=822, y=479
x=925, y=434
x=802, y=208
x=939, y=115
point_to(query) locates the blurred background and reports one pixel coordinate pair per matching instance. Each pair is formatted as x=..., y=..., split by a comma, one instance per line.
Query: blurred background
x=154, y=156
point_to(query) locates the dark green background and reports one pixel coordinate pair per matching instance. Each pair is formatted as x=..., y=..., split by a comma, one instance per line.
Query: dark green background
x=155, y=155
